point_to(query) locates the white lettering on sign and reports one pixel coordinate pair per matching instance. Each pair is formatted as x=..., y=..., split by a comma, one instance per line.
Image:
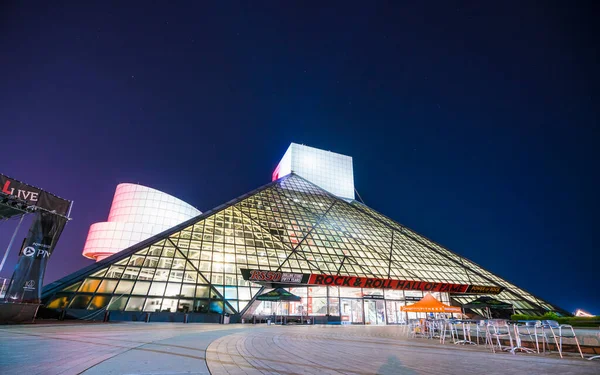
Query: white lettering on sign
x=291, y=278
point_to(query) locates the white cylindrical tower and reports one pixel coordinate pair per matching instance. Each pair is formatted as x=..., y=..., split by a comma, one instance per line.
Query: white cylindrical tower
x=137, y=213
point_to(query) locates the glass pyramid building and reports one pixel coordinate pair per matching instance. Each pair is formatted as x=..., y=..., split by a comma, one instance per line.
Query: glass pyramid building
x=339, y=255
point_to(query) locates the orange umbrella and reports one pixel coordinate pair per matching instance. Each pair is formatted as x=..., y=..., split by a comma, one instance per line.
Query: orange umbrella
x=430, y=304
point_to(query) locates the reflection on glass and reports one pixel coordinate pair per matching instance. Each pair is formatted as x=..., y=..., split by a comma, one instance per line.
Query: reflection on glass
x=89, y=285
x=117, y=303
x=80, y=302
x=141, y=288
x=152, y=304
x=98, y=302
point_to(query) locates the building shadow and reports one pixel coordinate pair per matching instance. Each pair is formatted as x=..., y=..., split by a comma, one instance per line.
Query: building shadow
x=393, y=366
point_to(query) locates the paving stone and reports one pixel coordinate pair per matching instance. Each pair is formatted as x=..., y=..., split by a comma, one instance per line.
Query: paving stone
x=175, y=349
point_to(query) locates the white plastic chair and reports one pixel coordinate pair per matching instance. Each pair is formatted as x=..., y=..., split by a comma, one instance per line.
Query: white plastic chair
x=560, y=329
x=536, y=330
x=480, y=331
x=499, y=329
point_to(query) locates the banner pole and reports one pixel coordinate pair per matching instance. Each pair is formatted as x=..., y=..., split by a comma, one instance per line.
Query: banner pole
x=12, y=239
x=70, y=208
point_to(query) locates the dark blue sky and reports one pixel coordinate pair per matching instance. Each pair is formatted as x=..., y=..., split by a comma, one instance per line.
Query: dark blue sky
x=473, y=123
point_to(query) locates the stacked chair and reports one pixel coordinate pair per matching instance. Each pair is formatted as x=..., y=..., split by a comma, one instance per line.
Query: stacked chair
x=494, y=332
x=560, y=331
x=499, y=329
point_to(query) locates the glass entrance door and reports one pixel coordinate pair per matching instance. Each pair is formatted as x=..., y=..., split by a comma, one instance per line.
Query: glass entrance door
x=374, y=312
x=393, y=312
x=352, y=310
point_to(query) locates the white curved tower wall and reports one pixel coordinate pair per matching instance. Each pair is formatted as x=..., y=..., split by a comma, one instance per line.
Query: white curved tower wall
x=137, y=213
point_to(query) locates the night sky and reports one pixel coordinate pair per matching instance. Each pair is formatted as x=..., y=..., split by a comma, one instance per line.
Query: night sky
x=473, y=123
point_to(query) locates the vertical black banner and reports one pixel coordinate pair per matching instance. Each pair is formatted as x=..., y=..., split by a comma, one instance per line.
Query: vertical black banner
x=26, y=283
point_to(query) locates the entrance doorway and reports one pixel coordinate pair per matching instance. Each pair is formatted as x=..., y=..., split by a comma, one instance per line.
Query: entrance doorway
x=394, y=314
x=374, y=312
x=352, y=309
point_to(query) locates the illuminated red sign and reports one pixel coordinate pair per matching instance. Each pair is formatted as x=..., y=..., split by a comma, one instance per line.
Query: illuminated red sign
x=364, y=282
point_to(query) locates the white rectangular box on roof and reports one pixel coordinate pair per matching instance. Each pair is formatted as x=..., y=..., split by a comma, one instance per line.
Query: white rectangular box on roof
x=328, y=170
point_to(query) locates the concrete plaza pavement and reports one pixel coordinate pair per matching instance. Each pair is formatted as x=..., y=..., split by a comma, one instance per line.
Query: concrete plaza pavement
x=175, y=348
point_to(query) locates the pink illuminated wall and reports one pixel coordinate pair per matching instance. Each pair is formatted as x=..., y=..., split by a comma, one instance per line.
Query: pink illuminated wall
x=137, y=213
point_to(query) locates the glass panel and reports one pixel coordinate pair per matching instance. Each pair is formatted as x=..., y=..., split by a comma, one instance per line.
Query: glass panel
x=117, y=303
x=317, y=291
x=413, y=293
x=161, y=275
x=201, y=306
x=242, y=305
x=72, y=288
x=351, y=310
x=372, y=292
x=98, y=302
x=169, y=305
x=351, y=292
x=157, y=289
x=151, y=262
x=153, y=304
x=231, y=292
x=135, y=304
x=178, y=264
x=89, y=285
x=244, y=293
x=80, y=302
x=58, y=303
x=187, y=290
x=99, y=273
x=141, y=287
x=190, y=277
x=176, y=275
x=216, y=307
x=146, y=274
x=185, y=305
x=370, y=312
x=334, y=291
x=136, y=260
x=115, y=272
x=334, y=306
x=393, y=294
x=172, y=289
x=233, y=304
x=107, y=286
x=124, y=287
x=131, y=273
x=202, y=291
x=300, y=292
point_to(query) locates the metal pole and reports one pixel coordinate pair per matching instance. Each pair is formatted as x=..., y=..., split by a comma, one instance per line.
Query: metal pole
x=70, y=208
x=12, y=239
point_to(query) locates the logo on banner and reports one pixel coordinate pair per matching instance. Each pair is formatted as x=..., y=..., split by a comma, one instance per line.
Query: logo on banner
x=295, y=278
x=29, y=251
x=29, y=285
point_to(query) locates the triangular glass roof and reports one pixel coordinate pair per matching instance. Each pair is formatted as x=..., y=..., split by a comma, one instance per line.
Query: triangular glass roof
x=288, y=225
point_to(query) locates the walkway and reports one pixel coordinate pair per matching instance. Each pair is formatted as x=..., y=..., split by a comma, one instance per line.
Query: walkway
x=173, y=349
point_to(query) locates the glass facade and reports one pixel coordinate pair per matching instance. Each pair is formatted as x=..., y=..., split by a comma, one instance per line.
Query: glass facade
x=290, y=225
x=352, y=305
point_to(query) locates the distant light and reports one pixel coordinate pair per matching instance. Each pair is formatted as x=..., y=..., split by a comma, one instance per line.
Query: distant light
x=580, y=312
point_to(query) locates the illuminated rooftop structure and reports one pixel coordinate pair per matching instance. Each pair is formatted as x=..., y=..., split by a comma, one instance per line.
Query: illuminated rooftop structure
x=328, y=170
